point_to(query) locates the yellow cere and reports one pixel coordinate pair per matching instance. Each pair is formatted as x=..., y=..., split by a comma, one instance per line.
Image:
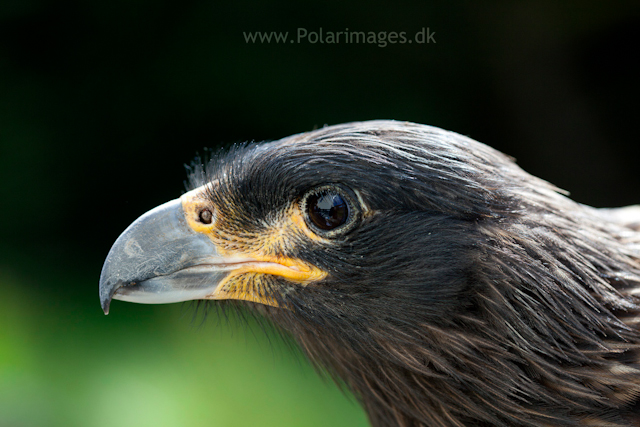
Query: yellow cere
x=246, y=282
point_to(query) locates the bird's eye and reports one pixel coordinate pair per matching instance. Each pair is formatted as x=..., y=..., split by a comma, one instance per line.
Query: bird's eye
x=330, y=210
x=327, y=210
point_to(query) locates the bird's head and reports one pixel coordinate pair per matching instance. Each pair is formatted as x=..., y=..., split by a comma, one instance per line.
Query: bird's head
x=387, y=249
x=351, y=226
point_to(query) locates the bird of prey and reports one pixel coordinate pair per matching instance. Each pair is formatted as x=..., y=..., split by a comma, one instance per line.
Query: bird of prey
x=442, y=284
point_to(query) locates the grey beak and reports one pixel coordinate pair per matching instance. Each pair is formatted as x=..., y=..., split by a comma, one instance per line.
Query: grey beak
x=160, y=259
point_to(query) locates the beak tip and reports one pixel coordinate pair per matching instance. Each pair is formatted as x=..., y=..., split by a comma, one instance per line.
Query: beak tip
x=105, y=303
x=107, y=290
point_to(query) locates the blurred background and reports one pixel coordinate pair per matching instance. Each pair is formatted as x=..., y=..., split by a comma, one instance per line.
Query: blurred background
x=103, y=102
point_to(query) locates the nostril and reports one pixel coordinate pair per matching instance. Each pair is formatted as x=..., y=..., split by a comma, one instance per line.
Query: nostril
x=205, y=216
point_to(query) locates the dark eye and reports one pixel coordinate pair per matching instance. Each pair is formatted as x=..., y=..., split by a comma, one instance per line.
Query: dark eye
x=330, y=210
x=327, y=210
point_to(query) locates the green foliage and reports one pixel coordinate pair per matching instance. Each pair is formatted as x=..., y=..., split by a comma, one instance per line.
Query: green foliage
x=63, y=363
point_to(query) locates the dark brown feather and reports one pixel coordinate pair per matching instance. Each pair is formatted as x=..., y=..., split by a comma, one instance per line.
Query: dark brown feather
x=474, y=294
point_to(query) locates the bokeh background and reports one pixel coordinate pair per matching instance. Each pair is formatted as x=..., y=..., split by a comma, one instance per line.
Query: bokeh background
x=103, y=102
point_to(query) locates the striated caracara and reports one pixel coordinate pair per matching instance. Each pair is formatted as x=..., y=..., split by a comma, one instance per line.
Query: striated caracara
x=440, y=282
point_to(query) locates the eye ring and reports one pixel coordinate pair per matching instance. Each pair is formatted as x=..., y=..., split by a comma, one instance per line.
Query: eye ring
x=330, y=210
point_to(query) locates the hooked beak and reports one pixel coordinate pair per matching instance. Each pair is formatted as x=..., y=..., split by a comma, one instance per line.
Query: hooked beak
x=160, y=259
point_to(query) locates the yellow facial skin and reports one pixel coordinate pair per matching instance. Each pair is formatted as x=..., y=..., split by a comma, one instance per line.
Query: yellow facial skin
x=257, y=255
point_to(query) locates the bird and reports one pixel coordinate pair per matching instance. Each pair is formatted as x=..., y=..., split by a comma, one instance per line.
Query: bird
x=425, y=271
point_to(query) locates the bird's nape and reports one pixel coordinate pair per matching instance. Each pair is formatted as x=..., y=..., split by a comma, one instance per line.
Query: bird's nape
x=440, y=282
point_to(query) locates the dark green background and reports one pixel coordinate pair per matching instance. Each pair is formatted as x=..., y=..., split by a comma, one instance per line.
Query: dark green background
x=102, y=102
